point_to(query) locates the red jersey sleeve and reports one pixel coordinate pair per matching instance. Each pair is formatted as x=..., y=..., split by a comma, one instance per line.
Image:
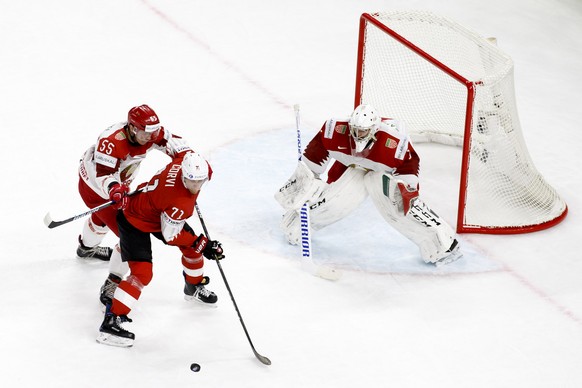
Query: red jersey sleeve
x=410, y=163
x=316, y=155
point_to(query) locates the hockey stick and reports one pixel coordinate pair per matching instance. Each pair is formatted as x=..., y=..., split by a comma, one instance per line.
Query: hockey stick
x=304, y=211
x=50, y=223
x=261, y=358
x=323, y=271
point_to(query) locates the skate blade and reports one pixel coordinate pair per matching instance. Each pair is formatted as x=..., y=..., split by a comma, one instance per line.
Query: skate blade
x=449, y=259
x=198, y=302
x=113, y=340
x=91, y=259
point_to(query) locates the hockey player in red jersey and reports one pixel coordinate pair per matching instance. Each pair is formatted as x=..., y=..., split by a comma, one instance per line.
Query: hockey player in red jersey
x=161, y=209
x=109, y=166
x=366, y=155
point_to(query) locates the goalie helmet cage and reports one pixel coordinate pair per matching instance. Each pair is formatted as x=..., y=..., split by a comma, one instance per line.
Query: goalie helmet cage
x=451, y=86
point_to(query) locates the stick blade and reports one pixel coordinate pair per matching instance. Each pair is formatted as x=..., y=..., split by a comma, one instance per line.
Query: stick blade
x=262, y=359
x=48, y=220
x=328, y=273
x=321, y=270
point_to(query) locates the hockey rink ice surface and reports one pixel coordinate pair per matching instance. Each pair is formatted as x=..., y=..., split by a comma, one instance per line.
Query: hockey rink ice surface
x=225, y=75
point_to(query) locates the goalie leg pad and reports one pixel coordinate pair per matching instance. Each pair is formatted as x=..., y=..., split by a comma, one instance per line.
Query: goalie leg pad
x=386, y=195
x=335, y=202
x=291, y=226
x=302, y=187
x=440, y=237
x=338, y=199
x=421, y=225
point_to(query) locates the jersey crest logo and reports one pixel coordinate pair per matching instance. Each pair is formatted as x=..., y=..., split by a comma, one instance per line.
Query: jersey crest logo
x=120, y=135
x=391, y=143
x=341, y=128
x=127, y=172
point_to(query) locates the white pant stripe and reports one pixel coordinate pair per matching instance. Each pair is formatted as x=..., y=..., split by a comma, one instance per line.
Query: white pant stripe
x=124, y=297
x=194, y=272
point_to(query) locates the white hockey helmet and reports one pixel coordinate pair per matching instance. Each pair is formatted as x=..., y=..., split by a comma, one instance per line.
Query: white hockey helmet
x=194, y=167
x=363, y=125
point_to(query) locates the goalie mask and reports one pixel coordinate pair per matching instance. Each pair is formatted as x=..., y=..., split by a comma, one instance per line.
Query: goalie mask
x=363, y=125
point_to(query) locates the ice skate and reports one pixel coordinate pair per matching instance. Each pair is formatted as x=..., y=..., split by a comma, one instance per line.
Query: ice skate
x=100, y=253
x=108, y=289
x=453, y=254
x=199, y=293
x=111, y=333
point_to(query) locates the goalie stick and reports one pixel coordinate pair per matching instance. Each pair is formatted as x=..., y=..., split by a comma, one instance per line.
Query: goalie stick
x=50, y=223
x=322, y=271
x=260, y=357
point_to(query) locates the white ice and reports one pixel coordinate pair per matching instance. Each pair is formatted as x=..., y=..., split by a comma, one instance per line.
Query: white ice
x=225, y=75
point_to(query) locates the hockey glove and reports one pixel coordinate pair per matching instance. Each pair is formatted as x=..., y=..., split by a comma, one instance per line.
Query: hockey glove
x=409, y=195
x=200, y=244
x=118, y=194
x=212, y=250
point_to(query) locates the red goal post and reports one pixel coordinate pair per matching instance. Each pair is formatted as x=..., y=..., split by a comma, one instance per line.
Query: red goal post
x=452, y=86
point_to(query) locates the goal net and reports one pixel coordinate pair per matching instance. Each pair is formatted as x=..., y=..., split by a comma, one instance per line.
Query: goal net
x=451, y=86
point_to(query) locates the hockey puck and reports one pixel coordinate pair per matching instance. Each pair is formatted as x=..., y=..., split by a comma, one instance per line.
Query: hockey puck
x=195, y=367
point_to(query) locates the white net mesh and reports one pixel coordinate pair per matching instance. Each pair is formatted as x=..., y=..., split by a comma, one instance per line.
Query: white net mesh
x=427, y=70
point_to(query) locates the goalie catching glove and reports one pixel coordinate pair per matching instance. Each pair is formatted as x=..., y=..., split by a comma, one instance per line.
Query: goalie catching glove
x=211, y=249
x=409, y=195
x=402, y=190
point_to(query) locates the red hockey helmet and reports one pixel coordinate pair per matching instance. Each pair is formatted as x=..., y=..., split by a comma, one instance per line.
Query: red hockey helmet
x=144, y=118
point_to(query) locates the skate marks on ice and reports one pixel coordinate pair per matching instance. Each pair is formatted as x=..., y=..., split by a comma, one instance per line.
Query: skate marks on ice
x=249, y=171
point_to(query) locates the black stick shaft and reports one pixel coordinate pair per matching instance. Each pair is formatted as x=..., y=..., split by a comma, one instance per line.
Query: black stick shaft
x=53, y=224
x=261, y=358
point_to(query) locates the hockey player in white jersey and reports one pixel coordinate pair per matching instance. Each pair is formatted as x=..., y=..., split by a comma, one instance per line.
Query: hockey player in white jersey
x=109, y=166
